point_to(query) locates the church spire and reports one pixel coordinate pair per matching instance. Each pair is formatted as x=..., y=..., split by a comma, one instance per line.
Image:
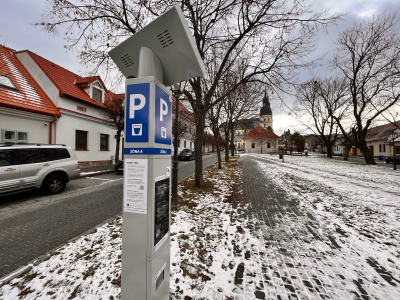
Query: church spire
x=266, y=109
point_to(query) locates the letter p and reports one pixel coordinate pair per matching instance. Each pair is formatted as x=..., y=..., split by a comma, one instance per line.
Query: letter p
x=163, y=109
x=133, y=107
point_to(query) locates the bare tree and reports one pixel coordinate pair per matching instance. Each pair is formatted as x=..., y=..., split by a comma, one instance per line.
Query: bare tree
x=271, y=38
x=114, y=111
x=368, y=55
x=214, y=118
x=325, y=102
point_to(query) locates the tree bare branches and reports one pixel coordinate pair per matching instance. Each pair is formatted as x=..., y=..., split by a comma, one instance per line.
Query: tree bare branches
x=368, y=55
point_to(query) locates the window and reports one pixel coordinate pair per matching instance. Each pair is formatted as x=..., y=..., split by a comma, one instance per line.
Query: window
x=104, y=142
x=384, y=148
x=380, y=148
x=32, y=156
x=6, y=82
x=253, y=145
x=184, y=144
x=14, y=136
x=80, y=140
x=97, y=94
x=61, y=153
x=268, y=145
x=7, y=158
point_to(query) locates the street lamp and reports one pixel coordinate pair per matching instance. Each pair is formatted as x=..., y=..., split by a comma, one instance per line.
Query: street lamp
x=393, y=136
x=177, y=91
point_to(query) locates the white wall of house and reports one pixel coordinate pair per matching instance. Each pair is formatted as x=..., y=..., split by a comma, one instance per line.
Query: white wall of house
x=257, y=146
x=35, y=125
x=66, y=134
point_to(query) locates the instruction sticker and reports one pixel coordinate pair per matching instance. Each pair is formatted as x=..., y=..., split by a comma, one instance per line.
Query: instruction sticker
x=135, y=185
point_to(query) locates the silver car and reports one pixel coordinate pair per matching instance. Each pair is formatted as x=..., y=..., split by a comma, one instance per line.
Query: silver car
x=29, y=166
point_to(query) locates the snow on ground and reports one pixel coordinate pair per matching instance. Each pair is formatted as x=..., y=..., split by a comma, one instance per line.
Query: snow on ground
x=360, y=200
x=365, y=198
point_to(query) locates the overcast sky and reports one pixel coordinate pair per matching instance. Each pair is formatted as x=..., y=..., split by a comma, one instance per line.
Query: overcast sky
x=18, y=33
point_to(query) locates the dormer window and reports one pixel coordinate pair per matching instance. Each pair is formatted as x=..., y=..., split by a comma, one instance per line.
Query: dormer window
x=97, y=94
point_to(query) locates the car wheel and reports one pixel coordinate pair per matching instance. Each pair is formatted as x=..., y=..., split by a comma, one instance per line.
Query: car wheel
x=54, y=185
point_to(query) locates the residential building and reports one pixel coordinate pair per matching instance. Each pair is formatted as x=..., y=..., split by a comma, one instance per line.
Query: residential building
x=26, y=113
x=379, y=142
x=70, y=108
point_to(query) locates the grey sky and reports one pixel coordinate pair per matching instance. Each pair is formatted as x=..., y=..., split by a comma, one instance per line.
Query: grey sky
x=18, y=33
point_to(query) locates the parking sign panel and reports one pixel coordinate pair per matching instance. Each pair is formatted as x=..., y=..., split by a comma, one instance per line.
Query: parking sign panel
x=163, y=117
x=137, y=113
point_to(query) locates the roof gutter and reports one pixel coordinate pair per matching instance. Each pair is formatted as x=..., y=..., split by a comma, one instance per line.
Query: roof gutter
x=51, y=129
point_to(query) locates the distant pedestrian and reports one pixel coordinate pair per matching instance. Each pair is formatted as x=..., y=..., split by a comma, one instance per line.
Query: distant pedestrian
x=306, y=152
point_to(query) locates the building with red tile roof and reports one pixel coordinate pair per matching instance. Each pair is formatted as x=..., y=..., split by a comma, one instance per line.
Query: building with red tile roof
x=21, y=98
x=70, y=107
x=379, y=142
x=261, y=140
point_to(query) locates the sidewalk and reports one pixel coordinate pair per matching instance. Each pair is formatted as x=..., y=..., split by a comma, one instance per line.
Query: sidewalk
x=297, y=255
x=97, y=170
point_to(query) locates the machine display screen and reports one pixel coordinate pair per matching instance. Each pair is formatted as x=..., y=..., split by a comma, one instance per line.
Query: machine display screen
x=161, y=218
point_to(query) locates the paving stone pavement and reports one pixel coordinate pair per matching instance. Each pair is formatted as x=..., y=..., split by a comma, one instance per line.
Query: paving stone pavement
x=294, y=254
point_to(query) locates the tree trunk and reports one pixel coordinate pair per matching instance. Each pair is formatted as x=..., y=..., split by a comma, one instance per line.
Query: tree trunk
x=217, y=140
x=232, y=149
x=117, y=146
x=360, y=143
x=329, y=150
x=369, y=159
x=226, y=144
x=198, y=151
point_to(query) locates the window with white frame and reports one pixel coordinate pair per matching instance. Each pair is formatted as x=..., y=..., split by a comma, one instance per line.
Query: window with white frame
x=97, y=94
x=14, y=136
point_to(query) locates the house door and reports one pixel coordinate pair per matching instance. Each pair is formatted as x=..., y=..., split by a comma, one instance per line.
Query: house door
x=371, y=149
x=354, y=151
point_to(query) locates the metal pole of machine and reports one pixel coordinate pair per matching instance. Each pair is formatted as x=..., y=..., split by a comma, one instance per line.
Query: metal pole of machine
x=393, y=136
x=151, y=60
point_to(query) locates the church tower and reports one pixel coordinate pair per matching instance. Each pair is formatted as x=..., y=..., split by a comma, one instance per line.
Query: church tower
x=266, y=113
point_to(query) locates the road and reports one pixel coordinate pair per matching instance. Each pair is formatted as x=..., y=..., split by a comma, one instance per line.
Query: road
x=32, y=224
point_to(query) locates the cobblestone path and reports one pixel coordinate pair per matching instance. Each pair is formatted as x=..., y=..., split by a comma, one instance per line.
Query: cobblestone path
x=296, y=254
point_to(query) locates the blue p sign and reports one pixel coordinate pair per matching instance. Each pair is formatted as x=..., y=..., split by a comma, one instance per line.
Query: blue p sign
x=163, y=117
x=137, y=113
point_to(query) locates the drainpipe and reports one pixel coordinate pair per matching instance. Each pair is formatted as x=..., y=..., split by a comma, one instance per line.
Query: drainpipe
x=51, y=129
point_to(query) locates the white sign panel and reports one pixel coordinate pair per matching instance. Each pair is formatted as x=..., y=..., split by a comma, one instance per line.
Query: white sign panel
x=135, y=185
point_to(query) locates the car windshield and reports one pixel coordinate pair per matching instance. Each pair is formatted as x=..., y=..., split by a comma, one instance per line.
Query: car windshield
x=186, y=150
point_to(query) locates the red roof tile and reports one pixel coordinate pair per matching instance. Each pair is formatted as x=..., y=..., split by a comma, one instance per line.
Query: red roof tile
x=64, y=80
x=261, y=133
x=381, y=132
x=29, y=97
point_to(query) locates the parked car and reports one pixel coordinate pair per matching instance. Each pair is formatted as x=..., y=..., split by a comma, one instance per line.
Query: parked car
x=337, y=153
x=390, y=160
x=119, y=167
x=40, y=166
x=186, y=154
